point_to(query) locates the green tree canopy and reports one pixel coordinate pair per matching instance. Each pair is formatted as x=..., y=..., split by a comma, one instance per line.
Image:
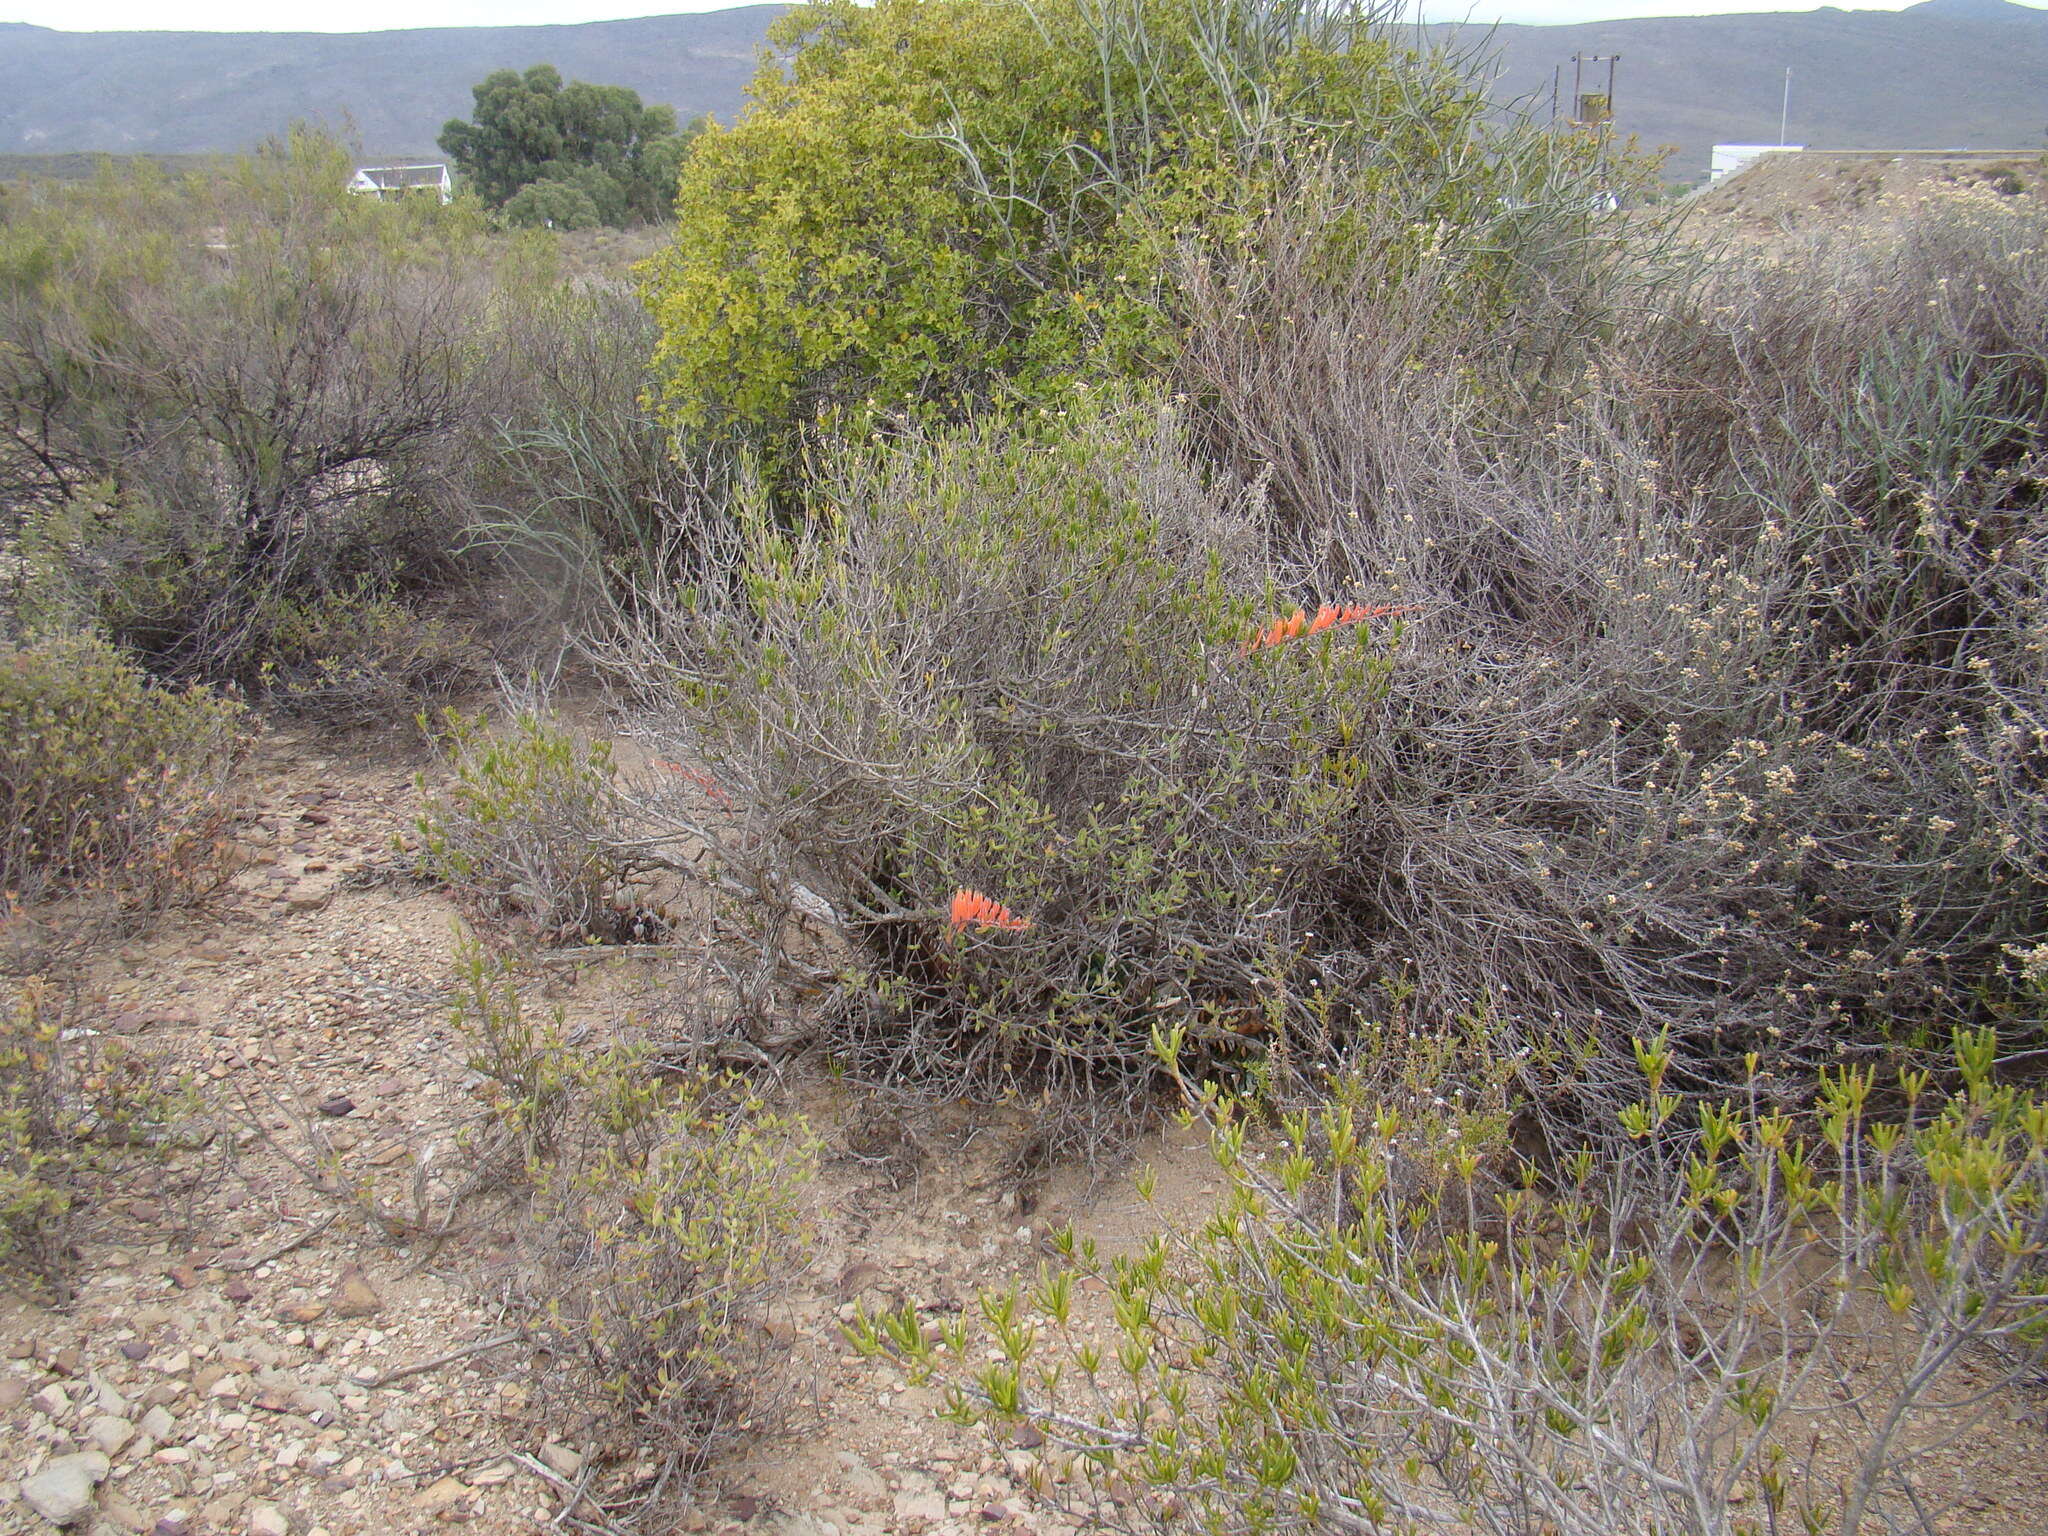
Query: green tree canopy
x=599, y=141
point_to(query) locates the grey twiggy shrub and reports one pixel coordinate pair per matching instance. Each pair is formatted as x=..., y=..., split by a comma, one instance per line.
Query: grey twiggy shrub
x=1716, y=706
x=1726, y=710
x=1015, y=664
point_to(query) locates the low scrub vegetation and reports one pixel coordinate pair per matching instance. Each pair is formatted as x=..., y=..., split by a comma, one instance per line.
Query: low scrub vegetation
x=532, y=825
x=1391, y=1320
x=110, y=785
x=249, y=425
x=71, y=1108
x=1698, y=697
x=1222, y=575
x=665, y=1218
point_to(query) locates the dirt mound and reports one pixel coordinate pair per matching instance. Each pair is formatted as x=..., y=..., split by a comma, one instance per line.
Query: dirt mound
x=1811, y=192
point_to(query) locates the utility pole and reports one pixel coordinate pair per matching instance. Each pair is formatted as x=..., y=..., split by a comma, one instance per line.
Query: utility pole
x=1785, y=107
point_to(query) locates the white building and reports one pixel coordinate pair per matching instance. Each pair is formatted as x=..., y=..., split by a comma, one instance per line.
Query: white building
x=387, y=183
x=1729, y=158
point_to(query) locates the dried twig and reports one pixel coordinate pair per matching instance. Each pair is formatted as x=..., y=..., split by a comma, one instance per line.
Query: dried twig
x=421, y=1367
x=282, y=1249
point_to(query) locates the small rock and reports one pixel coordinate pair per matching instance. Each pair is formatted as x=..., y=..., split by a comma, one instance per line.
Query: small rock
x=117, y=1512
x=62, y=1492
x=109, y=1433
x=352, y=1296
x=303, y=1312
x=183, y=1276
x=317, y=1404
x=341, y=1104
x=929, y=1507
x=237, y=1291
x=268, y=1520
x=134, y=1349
x=499, y=1471
x=174, y=1524
x=158, y=1424
x=447, y=1491
x=12, y=1394
x=53, y=1400
x=560, y=1460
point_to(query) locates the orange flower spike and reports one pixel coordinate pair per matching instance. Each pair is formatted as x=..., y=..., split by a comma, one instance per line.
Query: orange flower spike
x=971, y=909
x=1325, y=617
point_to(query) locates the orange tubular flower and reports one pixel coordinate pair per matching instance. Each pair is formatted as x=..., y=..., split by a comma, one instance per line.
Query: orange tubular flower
x=1327, y=616
x=971, y=909
x=700, y=778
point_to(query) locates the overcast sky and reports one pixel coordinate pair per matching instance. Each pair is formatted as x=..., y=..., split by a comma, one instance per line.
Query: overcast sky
x=372, y=15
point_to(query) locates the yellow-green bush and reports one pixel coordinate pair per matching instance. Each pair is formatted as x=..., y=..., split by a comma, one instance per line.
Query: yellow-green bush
x=68, y=1107
x=1391, y=1322
x=667, y=1217
x=532, y=824
x=108, y=781
x=939, y=202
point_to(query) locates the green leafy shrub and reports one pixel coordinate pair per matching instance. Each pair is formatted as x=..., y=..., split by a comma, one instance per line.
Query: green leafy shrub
x=109, y=784
x=666, y=1217
x=526, y=1064
x=1390, y=1321
x=677, y=1220
x=68, y=1108
x=532, y=824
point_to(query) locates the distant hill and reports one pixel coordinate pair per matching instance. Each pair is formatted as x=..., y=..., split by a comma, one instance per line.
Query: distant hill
x=1942, y=74
x=192, y=92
